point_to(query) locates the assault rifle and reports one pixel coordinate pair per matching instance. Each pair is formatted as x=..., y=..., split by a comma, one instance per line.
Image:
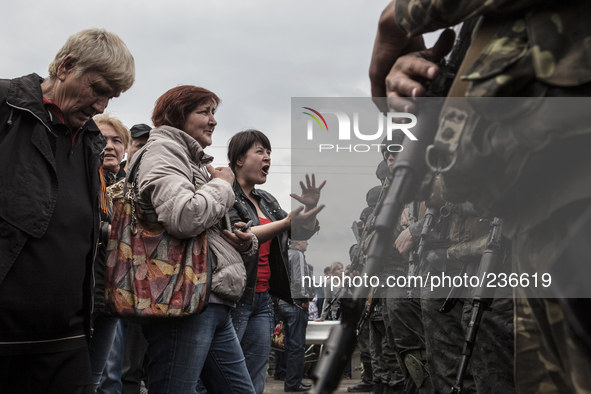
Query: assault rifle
x=370, y=304
x=491, y=261
x=357, y=261
x=407, y=179
x=427, y=225
x=414, y=261
x=413, y=269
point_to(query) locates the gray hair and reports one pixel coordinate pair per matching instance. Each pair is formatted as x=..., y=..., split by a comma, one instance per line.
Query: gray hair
x=98, y=50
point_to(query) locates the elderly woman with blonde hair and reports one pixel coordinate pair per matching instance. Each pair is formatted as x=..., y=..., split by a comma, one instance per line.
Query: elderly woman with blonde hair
x=104, y=324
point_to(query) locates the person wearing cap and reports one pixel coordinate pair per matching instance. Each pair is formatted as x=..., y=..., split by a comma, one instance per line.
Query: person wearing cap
x=139, y=136
x=51, y=157
x=372, y=196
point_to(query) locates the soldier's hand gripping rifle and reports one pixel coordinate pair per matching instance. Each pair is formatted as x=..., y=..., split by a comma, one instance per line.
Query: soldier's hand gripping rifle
x=405, y=180
x=491, y=261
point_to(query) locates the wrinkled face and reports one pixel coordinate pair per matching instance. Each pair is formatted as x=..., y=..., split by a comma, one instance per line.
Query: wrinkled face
x=200, y=124
x=115, y=149
x=80, y=96
x=136, y=144
x=254, y=166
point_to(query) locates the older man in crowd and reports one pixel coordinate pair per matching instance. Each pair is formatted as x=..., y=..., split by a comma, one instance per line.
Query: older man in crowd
x=51, y=154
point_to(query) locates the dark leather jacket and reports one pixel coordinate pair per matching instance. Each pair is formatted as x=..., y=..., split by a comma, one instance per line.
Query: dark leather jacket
x=28, y=179
x=244, y=210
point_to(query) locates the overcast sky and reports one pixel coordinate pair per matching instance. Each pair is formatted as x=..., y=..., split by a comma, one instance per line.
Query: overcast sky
x=255, y=55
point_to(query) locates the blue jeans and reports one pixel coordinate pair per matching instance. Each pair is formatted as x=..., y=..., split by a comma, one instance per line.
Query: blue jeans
x=103, y=335
x=279, y=363
x=205, y=345
x=110, y=382
x=295, y=322
x=254, y=327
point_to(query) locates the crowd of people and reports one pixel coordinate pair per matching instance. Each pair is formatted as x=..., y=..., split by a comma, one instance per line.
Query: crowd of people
x=62, y=168
x=58, y=334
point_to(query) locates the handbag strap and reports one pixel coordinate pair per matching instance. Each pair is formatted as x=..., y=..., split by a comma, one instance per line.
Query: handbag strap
x=133, y=171
x=130, y=194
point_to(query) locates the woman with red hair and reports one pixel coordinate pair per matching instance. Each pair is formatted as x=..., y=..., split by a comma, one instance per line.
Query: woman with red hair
x=190, y=197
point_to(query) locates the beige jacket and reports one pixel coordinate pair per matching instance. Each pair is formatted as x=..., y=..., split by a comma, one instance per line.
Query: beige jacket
x=172, y=178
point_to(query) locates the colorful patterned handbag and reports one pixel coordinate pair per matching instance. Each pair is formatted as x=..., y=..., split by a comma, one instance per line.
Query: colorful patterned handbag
x=150, y=274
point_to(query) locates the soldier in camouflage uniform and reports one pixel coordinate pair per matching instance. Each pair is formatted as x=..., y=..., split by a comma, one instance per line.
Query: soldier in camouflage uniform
x=367, y=380
x=366, y=385
x=456, y=244
x=388, y=374
x=402, y=314
x=541, y=182
x=384, y=359
x=444, y=334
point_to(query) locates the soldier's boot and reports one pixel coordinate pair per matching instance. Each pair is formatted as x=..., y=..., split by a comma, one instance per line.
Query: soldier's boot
x=361, y=387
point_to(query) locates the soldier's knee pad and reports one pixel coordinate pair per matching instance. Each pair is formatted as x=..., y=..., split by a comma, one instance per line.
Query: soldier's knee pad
x=416, y=368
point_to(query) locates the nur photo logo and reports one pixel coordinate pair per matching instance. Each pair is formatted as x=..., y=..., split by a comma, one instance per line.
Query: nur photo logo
x=386, y=123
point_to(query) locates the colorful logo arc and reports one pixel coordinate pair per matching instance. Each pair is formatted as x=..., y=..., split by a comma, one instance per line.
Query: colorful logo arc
x=315, y=118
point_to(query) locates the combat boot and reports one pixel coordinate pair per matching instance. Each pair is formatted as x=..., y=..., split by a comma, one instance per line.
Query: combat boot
x=361, y=387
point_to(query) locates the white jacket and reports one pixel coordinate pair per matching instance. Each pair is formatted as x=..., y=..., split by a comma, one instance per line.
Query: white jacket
x=172, y=178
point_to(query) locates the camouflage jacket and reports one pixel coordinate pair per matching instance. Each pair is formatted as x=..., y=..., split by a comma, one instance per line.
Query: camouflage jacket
x=516, y=162
x=553, y=36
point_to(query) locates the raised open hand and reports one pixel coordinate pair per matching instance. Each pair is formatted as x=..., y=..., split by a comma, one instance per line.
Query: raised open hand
x=310, y=193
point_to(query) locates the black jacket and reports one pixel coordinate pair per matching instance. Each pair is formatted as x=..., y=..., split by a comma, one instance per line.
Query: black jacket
x=244, y=210
x=28, y=178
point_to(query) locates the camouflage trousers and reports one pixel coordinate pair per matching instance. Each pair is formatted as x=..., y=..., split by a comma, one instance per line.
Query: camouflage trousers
x=404, y=331
x=444, y=335
x=549, y=356
x=492, y=362
x=364, y=353
x=444, y=340
x=384, y=359
x=491, y=365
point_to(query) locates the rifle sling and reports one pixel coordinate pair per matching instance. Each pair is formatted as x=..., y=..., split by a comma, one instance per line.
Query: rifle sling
x=456, y=110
